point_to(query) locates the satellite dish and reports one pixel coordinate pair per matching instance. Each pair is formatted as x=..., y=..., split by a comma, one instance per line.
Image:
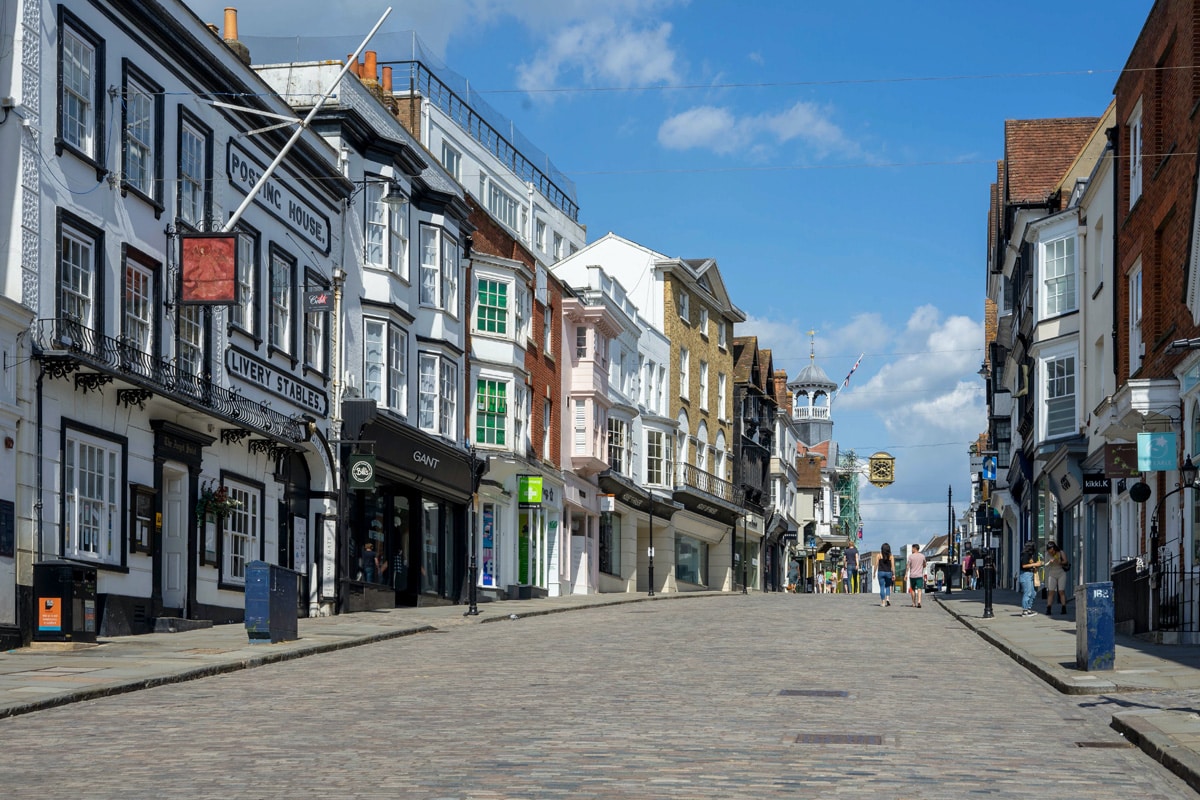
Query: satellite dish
x=1139, y=492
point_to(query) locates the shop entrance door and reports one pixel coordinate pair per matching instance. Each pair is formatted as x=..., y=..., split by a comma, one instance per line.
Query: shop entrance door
x=174, y=538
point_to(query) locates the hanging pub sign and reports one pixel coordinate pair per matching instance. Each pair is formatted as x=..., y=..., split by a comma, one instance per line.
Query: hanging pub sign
x=318, y=300
x=208, y=265
x=881, y=469
x=1120, y=460
x=529, y=491
x=1156, y=452
x=362, y=472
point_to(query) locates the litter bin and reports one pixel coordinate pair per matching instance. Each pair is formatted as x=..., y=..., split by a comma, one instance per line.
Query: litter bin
x=270, y=603
x=65, y=597
x=1095, y=636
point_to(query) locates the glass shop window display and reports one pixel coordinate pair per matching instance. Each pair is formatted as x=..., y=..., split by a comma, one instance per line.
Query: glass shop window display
x=374, y=563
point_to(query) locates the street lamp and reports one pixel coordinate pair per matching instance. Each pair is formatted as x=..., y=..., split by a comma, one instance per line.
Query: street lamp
x=1187, y=474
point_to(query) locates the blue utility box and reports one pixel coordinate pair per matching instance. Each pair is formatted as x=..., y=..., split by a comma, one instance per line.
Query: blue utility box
x=1095, y=635
x=270, y=603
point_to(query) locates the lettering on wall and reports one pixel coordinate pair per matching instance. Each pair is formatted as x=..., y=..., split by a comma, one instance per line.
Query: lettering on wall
x=283, y=202
x=245, y=366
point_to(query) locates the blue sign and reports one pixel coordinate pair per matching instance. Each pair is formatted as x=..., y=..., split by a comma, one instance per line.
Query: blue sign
x=989, y=468
x=1156, y=452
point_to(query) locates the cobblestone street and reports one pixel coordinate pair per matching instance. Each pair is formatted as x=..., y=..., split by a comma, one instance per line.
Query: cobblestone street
x=708, y=697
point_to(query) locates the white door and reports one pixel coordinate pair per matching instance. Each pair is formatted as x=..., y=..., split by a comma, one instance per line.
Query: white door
x=174, y=538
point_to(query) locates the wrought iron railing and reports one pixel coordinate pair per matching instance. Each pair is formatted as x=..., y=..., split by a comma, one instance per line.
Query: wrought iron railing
x=547, y=179
x=691, y=476
x=70, y=344
x=1177, y=595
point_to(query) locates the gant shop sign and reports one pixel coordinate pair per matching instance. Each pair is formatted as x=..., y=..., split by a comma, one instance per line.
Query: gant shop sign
x=245, y=366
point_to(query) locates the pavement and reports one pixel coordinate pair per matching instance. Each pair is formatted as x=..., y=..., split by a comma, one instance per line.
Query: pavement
x=1157, y=686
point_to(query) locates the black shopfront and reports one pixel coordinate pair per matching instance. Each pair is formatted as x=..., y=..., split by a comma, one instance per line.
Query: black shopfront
x=403, y=542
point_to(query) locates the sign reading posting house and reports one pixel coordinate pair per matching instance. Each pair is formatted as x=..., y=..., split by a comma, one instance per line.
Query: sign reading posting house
x=283, y=202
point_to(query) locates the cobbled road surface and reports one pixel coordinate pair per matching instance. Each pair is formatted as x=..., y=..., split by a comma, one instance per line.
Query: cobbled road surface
x=759, y=696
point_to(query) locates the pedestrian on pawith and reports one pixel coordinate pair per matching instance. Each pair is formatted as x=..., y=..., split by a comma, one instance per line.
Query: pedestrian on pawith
x=1031, y=562
x=885, y=571
x=1056, y=577
x=916, y=575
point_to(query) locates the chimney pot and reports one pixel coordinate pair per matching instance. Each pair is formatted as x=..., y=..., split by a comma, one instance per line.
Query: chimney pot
x=369, y=70
x=231, y=31
x=387, y=80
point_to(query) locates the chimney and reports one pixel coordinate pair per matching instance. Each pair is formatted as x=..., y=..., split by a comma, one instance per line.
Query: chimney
x=353, y=64
x=370, y=73
x=387, y=80
x=231, y=37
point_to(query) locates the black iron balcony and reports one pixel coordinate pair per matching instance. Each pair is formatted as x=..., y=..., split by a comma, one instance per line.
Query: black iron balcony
x=64, y=346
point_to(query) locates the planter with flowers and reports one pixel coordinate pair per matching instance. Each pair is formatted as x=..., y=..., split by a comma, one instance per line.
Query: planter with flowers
x=215, y=501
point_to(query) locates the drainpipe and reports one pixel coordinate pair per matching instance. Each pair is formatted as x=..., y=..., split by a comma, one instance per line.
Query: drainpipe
x=37, y=502
x=1114, y=142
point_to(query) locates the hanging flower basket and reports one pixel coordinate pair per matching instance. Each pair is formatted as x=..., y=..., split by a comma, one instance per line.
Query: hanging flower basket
x=215, y=501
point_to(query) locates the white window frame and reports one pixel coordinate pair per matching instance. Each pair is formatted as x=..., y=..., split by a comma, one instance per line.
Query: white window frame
x=283, y=268
x=721, y=335
x=81, y=69
x=703, y=385
x=548, y=330
x=1136, y=148
x=704, y=322
x=190, y=355
x=684, y=372
x=539, y=227
x=722, y=397
x=437, y=394
x=1059, y=370
x=439, y=269
x=504, y=207
x=547, y=408
x=241, y=530
x=685, y=312
x=658, y=458
x=580, y=426
x=78, y=275
x=242, y=313
x=316, y=341
x=385, y=364
x=93, y=474
x=618, y=444
x=558, y=247
x=1136, y=345
x=452, y=161
x=141, y=133
x=193, y=167
x=1059, y=276
x=138, y=322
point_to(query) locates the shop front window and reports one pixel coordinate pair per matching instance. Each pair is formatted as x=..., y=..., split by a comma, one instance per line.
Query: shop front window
x=610, y=543
x=691, y=560
x=431, y=529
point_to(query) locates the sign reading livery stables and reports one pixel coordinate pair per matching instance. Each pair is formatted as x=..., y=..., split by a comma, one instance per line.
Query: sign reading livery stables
x=262, y=374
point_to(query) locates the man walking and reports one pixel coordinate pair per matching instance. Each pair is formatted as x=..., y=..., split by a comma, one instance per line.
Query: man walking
x=916, y=574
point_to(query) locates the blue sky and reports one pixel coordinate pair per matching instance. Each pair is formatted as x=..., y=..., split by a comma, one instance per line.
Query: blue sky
x=835, y=159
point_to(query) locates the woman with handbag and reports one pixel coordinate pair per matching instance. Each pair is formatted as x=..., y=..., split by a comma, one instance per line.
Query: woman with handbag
x=1056, y=577
x=1030, y=564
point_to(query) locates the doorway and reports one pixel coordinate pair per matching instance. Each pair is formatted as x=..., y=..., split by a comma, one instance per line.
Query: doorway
x=174, y=538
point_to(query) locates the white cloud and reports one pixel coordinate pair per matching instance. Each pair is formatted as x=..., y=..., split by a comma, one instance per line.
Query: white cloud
x=603, y=51
x=720, y=130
